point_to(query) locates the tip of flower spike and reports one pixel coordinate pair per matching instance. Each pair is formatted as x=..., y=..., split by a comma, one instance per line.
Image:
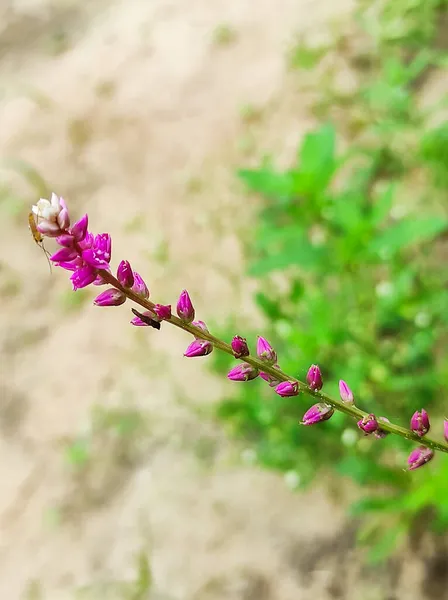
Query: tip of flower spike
x=445, y=429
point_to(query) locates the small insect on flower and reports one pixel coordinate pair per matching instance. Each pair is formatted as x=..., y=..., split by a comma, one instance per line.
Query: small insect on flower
x=146, y=319
x=38, y=237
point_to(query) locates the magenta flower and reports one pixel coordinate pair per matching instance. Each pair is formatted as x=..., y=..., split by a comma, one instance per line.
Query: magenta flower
x=419, y=457
x=66, y=240
x=345, y=392
x=140, y=287
x=72, y=265
x=185, y=308
x=287, y=388
x=420, y=422
x=314, y=378
x=125, y=275
x=79, y=229
x=381, y=433
x=110, y=297
x=317, y=413
x=198, y=348
x=64, y=255
x=243, y=372
x=445, y=429
x=368, y=424
x=162, y=311
x=239, y=347
x=83, y=277
x=265, y=351
x=99, y=254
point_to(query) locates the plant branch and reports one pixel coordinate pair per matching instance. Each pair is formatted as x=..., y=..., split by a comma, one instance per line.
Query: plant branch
x=348, y=409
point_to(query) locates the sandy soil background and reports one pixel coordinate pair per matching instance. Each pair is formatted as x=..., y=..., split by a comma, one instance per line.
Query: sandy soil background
x=134, y=111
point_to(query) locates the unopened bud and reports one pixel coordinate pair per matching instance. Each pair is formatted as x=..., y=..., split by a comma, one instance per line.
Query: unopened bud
x=317, y=413
x=265, y=351
x=419, y=457
x=287, y=388
x=420, y=422
x=125, y=275
x=368, y=424
x=314, y=378
x=111, y=297
x=198, y=348
x=239, y=347
x=243, y=372
x=345, y=392
x=185, y=308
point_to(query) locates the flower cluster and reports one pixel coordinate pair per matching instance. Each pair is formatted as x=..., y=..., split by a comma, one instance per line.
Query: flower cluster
x=87, y=257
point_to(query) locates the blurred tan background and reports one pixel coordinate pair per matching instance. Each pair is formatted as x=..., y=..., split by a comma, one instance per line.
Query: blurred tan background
x=136, y=112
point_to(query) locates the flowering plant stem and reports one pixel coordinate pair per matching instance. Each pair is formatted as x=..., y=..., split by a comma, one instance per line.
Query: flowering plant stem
x=348, y=409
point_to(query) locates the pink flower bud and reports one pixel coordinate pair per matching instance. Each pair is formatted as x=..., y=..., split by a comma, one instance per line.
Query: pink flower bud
x=317, y=413
x=345, y=392
x=243, y=372
x=314, y=378
x=162, y=311
x=49, y=229
x=198, y=348
x=139, y=286
x=185, y=308
x=79, y=229
x=287, y=388
x=64, y=255
x=125, y=275
x=420, y=422
x=239, y=347
x=265, y=351
x=368, y=424
x=381, y=433
x=273, y=381
x=201, y=325
x=445, y=429
x=110, y=297
x=63, y=219
x=419, y=457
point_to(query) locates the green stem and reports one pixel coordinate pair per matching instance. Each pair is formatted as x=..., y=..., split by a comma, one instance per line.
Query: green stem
x=348, y=409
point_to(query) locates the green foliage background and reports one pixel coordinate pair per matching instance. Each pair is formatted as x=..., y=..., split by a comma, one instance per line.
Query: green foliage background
x=349, y=252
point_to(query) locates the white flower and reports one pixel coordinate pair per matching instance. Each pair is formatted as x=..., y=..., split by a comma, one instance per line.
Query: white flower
x=48, y=210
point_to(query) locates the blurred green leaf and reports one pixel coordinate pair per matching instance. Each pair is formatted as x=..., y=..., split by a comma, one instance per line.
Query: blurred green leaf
x=406, y=233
